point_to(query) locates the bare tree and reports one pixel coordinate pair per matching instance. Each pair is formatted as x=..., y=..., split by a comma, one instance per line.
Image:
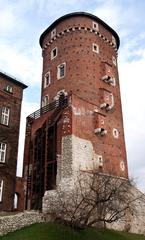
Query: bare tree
x=96, y=198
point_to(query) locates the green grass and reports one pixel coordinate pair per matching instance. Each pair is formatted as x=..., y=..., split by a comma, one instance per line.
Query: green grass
x=50, y=231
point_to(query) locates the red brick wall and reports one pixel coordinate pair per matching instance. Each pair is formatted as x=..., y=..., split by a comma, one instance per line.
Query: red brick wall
x=9, y=135
x=86, y=90
x=19, y=190
x=84, y=69
x=112, y=149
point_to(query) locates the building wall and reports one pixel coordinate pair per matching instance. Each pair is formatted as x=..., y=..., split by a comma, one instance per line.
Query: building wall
x=17, y=221
x=133, y=221
x=83, y=66
x=19, y=194
x=84, y=70
x=89, y=135
x=9, y=135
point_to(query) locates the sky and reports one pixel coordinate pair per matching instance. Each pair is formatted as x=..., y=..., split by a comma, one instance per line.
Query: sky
x=21, y=24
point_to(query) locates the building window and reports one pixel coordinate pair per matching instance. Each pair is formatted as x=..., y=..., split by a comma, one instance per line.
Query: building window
x=100, y=160
x=45, y=101
x=47, y=79
x=53, y=33
x=54, y=53
x=95, y=48
x=5, y=115
x=1, y=190
x=61, y=70
x=95, y=26
x=3, y=147
x=122, y=166
x=114, y=60
x=9, y=89
x=113, y=40
x=115, y=133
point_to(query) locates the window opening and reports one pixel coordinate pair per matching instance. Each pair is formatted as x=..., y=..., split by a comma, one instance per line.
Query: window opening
x=45, y=101
x=51, y=158
x=53, y=33
x=53, y=53
x=47, y=79
x=9, y=89
x=5, y=115
x=61, y=70
x=2, y=152
x=95, y=48
x=1, y=190
x=95, y=25
x=115, y=133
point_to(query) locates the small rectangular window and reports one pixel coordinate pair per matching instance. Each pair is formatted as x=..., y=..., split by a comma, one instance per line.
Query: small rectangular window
x=115, y=133
x=53, y=33
x=9, y=89
x=5, y=116
x=61, y=70
x=3, y=148
x=95, y=48
x=1, y=190
x=100, y=160
x=45, y=101
x=53, y=53
x=47, y=79
x=95, y=26
x=113, y=40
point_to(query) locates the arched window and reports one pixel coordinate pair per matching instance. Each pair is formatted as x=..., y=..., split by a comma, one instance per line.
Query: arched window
x=16, y=198
x=60, y=97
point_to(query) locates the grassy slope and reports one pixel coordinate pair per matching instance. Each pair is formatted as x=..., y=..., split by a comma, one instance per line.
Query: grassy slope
x=59, y=232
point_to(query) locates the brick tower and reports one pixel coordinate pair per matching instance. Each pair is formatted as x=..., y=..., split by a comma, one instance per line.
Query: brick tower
x=79, y=125
x=11, y=93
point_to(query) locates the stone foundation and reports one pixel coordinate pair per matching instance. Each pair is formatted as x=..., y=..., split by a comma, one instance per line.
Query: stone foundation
x=78, y=154
x=14, y=222
x=133, y=222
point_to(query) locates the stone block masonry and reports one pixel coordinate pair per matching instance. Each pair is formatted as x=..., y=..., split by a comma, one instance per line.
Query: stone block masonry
x=133, y=222
x=14, y=222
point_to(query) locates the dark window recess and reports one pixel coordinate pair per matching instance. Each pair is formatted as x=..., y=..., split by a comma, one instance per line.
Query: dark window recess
x=54, y=52
x=51, y=170
x=61, y=70
x=61, y=99
x=51, y=175
x=9, y=89
x=38, y=158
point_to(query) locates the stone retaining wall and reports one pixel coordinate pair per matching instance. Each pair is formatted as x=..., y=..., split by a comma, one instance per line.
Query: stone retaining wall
x=133, y=221
x=20, y=220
